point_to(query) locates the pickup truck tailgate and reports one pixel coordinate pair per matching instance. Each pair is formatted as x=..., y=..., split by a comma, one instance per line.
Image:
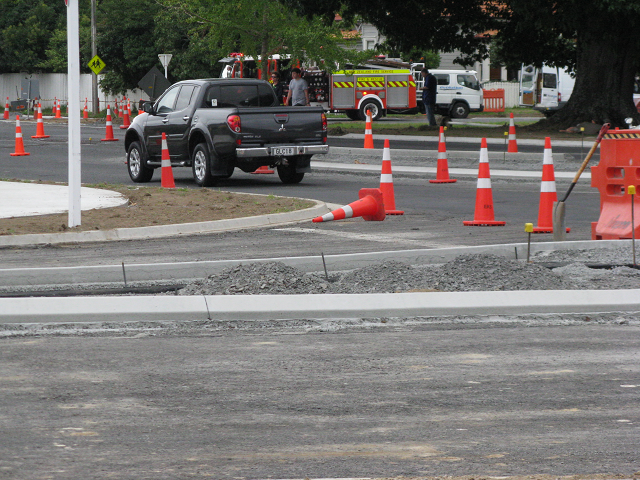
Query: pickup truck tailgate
x=282, y=126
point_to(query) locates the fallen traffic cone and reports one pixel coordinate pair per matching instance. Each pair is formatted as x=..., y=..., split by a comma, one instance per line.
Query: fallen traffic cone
x=167, y=180
x=386, y=183
x=263, y=170
x=370, y=207
x=126, y=123
x=368, y=134
x=548, y=193
x=109, y=134
x=442, y=175
x=513, y=144
x=6, y=110
x=39, y=124
x=85, y=113
x=57, y=109
x=19, y=143
x=484, y=197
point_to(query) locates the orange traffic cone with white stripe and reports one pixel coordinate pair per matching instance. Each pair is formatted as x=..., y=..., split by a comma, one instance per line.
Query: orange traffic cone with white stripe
x=19, y=143
x=126, y=123
x=386, y=182
x=442, y=175
x=167, y=180
x=6, y=110
x=39, y=124
x=368, y=134
x=370, y=207
x=548, y=194
x=263, y=170
x=484, y=197
x=57, y=108
x=85, y=112
x=513, y=144
x=109, y=134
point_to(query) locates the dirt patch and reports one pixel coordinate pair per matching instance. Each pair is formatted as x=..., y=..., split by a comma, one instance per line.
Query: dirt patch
x=149, y=206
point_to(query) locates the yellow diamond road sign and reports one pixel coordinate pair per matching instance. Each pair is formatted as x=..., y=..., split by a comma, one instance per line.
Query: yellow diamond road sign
x=96, y=64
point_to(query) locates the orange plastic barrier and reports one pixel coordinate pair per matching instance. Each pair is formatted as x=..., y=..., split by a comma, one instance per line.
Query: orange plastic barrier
x=618, y=169
x=493, y=100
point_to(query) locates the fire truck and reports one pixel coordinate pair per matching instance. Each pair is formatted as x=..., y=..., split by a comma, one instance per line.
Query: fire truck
x=354, y=92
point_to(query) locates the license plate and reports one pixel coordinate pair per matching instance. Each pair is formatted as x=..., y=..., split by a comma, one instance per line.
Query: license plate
x=282, y=151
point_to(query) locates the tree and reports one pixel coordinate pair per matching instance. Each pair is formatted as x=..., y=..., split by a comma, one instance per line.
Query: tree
x=260, y=29
x=601, y=38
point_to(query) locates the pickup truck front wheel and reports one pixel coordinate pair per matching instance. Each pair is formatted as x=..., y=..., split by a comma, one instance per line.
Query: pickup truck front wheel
x=288, y=174
x=201, y=166
x=138, y=171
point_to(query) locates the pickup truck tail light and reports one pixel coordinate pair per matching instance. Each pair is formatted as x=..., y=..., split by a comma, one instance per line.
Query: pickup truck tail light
x=324, y=128
x=233, y=121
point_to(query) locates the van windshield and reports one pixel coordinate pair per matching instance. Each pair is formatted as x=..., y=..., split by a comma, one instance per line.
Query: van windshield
x=469, y=81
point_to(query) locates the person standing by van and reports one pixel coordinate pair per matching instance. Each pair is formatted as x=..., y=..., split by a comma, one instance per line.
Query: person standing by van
x=429, y=92
x=298, y=90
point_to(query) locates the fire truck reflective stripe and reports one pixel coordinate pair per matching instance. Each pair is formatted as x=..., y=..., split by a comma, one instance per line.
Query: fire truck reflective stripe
x=342, y=84
x=370, y=84
x=397, y=84
x=622, y=135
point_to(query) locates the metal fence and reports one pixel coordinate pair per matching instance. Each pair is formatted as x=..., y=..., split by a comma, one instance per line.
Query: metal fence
x=55, y=86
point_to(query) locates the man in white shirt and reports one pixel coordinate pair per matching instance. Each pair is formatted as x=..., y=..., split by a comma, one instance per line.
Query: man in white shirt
x=298, y=94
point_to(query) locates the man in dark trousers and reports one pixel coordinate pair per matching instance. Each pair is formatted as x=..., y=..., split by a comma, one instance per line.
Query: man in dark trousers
x=278, y=86
x=429, y=92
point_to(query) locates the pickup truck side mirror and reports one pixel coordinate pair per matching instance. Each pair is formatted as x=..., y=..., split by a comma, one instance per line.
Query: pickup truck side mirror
x=148, y=108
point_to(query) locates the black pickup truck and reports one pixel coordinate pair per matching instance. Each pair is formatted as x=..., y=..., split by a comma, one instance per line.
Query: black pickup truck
x=216, y=125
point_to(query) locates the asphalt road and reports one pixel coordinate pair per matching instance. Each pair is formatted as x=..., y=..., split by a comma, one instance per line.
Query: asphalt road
x=251, y=403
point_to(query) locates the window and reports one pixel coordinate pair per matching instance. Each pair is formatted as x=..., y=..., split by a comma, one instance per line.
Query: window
x=443, y=78
x=266, y=95
x=469, y=81
x=184, y=98
x=240, y=96
x=549, y=80
x=165, y=104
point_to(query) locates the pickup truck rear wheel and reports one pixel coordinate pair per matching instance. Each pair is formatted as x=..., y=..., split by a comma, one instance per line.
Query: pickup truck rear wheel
x=138, y=171
x=201, y=166
x=288, y=174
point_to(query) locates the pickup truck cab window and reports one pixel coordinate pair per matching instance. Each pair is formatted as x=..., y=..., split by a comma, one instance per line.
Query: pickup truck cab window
x=166, y=102
x=184, y=97
x=228, y=96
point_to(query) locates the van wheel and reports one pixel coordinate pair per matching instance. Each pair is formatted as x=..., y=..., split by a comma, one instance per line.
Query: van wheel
x=201, y=166
x=460, y=110
x=138, y=171
x=373, y=107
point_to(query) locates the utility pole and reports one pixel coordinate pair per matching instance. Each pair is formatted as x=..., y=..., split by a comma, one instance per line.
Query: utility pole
x=94, y=51
x=73, y=69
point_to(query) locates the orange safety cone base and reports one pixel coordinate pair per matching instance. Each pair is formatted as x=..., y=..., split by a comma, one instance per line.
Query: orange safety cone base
x=451, y=180
x=263, y=170
x=394, y=212
x=40, y=136
x=486, y=223
x=109, y=139
x=20, y=154
x=546, y=230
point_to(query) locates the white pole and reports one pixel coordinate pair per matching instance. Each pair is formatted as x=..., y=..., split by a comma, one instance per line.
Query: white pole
x=73, y=65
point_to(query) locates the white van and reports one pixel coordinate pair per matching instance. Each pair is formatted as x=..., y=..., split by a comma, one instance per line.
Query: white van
x=546, y=89
x=459, y=92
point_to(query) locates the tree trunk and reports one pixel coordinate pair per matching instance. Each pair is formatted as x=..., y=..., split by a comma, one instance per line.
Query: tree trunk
x=603, y=91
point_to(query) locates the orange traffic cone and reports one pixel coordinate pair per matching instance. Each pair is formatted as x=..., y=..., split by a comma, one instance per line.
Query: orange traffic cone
x=140, y=111
x=85, y=112
x=6, y=110
x=443, y=166
x=386, y=183
x=57, y=109
x=484, y=197
x=370, y=207
x=513, y=144
x=548, y=193
x=368, y=134
x=167, y=180
x=39, y=124
x=19, y=143
x=109, y=134
x=126, y=123
x=263, y=170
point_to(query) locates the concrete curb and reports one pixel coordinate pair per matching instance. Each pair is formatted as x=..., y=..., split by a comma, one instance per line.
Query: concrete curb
x=160, y=231
x=14, y=277
x=289, y=307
